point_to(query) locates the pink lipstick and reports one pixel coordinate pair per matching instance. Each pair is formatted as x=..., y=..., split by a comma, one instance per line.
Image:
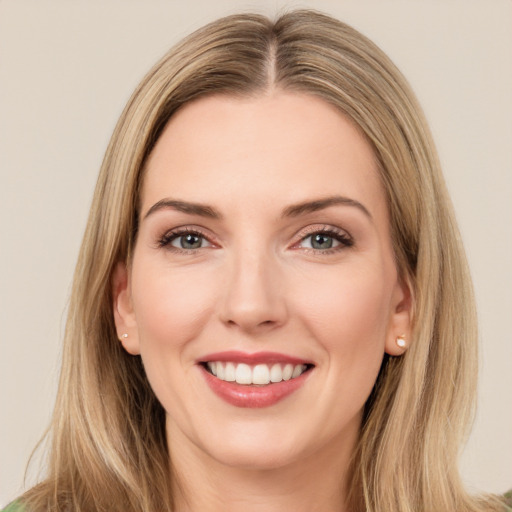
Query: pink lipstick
x=254, y=380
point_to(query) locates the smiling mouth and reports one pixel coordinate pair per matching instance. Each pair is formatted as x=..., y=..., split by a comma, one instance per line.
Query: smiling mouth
x=255, y=375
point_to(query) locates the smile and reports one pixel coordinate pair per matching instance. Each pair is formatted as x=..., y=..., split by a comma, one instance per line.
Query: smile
x=254, y=380
x=260, y=374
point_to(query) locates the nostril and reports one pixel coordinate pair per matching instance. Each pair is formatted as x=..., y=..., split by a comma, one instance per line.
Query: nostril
x=255, y=324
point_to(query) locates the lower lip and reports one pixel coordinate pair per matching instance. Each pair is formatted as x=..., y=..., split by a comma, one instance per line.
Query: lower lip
x=253, y=396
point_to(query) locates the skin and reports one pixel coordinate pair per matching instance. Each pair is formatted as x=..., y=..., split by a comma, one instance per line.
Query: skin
x=257, y=284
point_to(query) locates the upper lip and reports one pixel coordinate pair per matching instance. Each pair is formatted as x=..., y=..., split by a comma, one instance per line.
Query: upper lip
x=236, y=356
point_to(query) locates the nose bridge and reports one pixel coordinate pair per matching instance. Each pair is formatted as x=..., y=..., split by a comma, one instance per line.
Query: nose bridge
x=254, y=295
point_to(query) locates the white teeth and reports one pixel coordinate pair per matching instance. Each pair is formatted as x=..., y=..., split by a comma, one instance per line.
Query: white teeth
x=230, y=373
x=260, y=374
x=221, y=374
x=243, y=374
x=212, y=367
x=298, y=370
x=276, y=373
x=287, y=371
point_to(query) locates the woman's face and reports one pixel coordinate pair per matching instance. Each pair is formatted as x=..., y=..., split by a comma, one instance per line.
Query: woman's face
x=263, y=254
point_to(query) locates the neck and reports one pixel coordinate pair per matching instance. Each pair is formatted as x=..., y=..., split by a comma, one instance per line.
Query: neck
x=316, y=483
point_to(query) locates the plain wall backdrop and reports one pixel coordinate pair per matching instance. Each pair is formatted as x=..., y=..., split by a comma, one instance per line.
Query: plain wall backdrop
x=66, y=71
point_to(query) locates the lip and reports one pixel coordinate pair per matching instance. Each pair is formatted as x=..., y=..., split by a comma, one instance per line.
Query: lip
x=252, y=396
x=236, y=356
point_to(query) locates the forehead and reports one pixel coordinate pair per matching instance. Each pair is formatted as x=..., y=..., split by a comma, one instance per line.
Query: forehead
x=268, y=151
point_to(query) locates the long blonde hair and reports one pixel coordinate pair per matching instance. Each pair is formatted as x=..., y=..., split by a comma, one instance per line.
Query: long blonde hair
x=108, y=446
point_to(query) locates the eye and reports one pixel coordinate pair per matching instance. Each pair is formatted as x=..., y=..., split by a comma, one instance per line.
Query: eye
x=189, y=241
x=320, y=241
x=326, y=240
x=184, y=240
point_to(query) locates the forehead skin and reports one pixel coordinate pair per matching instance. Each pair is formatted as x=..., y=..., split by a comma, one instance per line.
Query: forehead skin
x=280, y=138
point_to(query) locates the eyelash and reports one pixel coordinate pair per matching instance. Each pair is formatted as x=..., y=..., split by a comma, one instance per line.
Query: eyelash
x=344, y=239
x=166, y=240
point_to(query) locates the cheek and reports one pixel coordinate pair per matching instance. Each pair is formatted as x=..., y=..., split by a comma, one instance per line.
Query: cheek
x=171, y=305
x=349, y=317
x=350, y=321
x=349, y=302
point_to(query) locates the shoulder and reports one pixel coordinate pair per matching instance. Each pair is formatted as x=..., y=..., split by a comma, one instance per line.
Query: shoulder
x=508, y=500
x=15, y=506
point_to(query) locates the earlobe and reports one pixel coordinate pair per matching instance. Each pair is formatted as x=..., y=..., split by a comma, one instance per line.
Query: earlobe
x=124, y=315
x=400, y=326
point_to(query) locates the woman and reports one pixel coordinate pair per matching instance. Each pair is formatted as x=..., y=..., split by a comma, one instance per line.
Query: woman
x=271, y=309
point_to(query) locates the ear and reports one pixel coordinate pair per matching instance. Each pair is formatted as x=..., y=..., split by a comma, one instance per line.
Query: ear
x=398, y=338
x=124, y=315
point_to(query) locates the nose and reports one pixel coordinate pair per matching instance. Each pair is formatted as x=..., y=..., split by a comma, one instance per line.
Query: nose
x=254, y=299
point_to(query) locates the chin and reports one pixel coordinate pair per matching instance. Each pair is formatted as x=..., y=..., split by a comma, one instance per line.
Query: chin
x=256, y=458
x=259, y=445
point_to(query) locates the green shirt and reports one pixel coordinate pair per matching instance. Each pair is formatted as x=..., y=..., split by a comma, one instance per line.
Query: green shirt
x=14, y=507
x=18, y=507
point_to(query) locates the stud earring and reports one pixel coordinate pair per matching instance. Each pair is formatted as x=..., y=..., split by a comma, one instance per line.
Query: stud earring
x=124, y=336
x=400, y=341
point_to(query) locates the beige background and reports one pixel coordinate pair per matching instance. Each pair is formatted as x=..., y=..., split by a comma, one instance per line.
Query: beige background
x=68, y=67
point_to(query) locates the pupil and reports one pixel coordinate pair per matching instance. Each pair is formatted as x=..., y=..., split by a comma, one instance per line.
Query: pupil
x=322, y=242
x=190, y=241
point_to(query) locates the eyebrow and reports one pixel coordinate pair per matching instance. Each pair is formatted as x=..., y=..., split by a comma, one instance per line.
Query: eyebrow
x=293, y=210
x=202, y=210
x=320, y=204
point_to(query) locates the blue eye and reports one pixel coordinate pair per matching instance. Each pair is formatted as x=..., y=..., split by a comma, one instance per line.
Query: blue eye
x=189, y=241
x=321, y=241
x=184, y=240
x=326, y=240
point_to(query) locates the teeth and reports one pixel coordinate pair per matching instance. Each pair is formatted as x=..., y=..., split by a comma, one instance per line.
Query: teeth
x=243, y=374
x=230, y=373
x=221, y=372
x=276, y=373
x=287, y=372
x=297, y=371
x=212, y=367
x=260, y=374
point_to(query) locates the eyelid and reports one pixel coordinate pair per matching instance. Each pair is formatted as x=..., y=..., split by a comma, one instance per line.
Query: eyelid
x=164, y=241
x=341, y=235
x=344, y=238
